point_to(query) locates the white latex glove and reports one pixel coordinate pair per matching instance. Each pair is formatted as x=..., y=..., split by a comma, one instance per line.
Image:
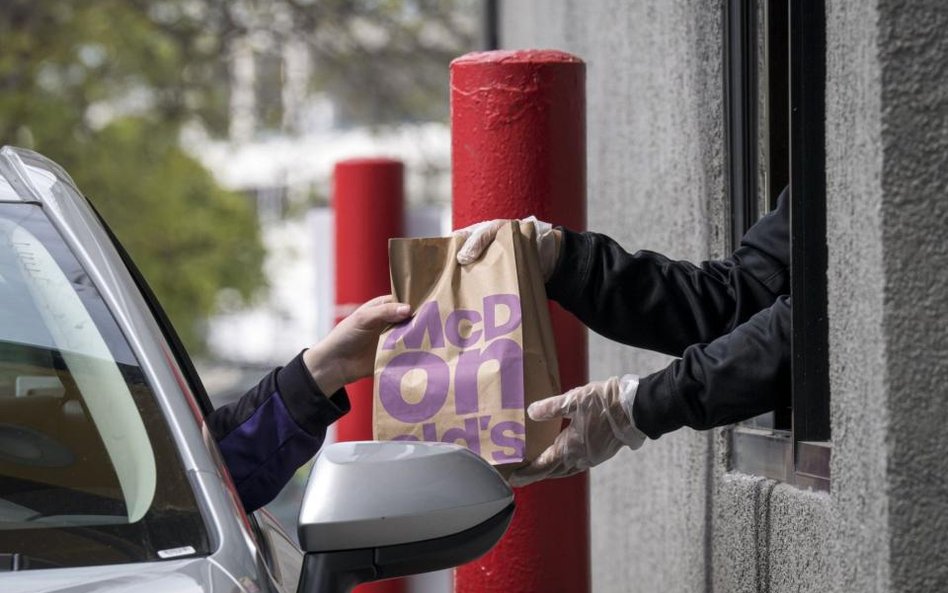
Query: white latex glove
x=479, y=236
x=601, y=423
x=348, y=352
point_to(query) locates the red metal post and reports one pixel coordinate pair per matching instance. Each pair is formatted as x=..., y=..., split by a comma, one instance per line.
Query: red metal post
x=518, y=147
x=368, y=202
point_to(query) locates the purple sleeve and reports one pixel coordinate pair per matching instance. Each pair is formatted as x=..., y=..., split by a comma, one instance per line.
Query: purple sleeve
x=274, y=429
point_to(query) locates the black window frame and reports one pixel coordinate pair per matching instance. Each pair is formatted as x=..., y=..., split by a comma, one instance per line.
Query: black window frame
x=794, y=445
x=808, y=262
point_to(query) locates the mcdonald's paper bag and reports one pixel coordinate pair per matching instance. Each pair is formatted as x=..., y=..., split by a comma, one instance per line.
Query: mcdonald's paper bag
x=478, y=349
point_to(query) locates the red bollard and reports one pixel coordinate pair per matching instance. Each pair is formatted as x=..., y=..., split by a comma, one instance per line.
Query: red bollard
x=518, y=147
x=368, y=200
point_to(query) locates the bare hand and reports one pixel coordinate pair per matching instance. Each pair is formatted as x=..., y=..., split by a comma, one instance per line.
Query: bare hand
x=348, y=352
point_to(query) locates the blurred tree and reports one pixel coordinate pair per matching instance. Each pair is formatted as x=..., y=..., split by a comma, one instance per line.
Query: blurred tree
x=104, y=87
x=383, y=61
x=101, y=89
x=189, y=237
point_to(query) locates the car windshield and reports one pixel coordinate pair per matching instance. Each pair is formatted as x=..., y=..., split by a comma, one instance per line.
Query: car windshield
x=89, y=474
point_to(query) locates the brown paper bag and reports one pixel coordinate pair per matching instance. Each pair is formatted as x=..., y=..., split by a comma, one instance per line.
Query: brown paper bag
x=478, y=349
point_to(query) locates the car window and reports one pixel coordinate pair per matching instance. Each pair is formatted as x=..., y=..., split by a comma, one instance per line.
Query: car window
x=89, y=474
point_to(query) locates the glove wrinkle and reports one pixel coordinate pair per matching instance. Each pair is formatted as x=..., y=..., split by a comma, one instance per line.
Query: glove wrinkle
x=600, y=425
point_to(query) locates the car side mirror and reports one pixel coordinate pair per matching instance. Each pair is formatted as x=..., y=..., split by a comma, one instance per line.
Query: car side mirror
x=378, y=510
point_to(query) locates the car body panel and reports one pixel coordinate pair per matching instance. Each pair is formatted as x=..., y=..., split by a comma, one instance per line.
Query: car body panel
x=194, y=575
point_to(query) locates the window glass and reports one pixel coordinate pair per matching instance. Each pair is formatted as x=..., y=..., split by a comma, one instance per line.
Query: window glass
x=88, y=472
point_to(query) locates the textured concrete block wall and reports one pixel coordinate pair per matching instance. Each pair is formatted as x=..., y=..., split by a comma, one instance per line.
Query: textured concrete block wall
x=887, y=147
x=670, y=517
x=856, y=275
x=913, y=75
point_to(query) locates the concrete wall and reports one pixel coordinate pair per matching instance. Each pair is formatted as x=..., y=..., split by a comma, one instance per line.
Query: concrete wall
x=670, y=517
x=913, y=60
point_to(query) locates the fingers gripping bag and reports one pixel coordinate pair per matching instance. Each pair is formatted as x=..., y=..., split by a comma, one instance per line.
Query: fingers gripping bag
x=478, y=349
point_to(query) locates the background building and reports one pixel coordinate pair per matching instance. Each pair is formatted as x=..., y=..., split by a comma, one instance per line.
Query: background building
x=664, y=157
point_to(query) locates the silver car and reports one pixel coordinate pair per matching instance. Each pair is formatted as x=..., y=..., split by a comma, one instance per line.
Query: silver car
x=108, y=478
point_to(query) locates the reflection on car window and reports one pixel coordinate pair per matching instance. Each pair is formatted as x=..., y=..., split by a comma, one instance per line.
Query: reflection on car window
x=88, y=473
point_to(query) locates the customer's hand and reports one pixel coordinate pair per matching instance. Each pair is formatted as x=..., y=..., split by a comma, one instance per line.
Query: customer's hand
x=348, y=352
x=479, y=236
x=601, y=423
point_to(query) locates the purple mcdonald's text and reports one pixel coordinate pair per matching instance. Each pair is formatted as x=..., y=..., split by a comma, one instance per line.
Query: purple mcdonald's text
x=458, y=344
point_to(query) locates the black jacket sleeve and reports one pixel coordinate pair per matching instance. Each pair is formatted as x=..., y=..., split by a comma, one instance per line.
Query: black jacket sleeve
x=737, y=376
x=728, y=320
x=649, y=301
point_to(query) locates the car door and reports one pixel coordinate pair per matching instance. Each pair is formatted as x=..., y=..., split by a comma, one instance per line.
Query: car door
x=280, y=551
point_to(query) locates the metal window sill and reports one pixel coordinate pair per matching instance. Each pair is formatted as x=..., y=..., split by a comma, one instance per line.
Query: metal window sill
x=770, y=453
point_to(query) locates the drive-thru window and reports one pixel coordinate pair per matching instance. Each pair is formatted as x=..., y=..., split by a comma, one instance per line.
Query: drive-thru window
x=775, y=80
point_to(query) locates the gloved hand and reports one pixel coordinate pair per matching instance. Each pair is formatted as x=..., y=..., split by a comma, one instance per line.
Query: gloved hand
x=479, y=236
x=601, y=424
x=348, y=352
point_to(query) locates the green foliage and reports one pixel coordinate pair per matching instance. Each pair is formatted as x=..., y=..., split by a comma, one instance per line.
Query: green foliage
x=59, y=63
x=104, y=87
x=189, y=237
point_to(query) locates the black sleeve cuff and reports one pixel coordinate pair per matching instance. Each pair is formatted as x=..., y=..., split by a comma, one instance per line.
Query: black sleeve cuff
x=307, y=404
x=656, y=409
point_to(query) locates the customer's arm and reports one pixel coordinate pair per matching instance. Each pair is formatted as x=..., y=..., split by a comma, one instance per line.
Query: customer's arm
x=281, y=423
